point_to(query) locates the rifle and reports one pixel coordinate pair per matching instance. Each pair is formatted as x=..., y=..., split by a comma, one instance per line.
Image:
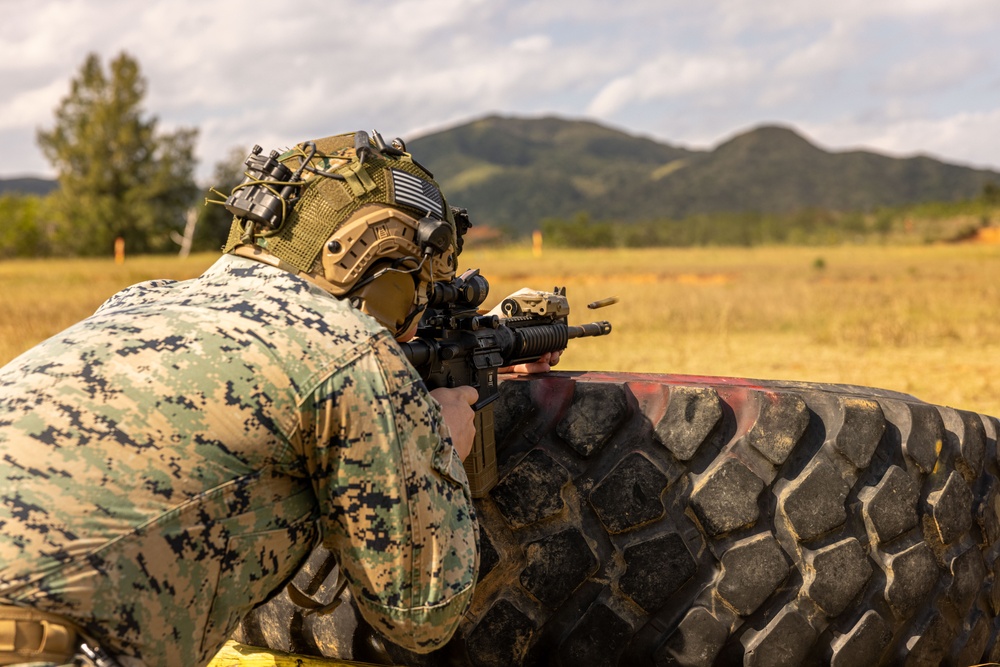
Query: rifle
x=456, y=345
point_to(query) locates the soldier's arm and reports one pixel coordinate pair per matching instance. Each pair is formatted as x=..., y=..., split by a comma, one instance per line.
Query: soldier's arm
x=394, y=499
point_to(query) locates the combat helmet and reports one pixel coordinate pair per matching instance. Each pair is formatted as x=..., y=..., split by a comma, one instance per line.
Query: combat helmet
x=354, y=215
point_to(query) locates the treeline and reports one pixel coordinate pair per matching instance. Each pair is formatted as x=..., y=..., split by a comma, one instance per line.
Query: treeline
x=923, y=223
x=119, y=176
x=32, y=226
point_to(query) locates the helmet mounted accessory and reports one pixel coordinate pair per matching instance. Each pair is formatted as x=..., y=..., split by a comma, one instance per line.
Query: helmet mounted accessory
x=262, y=199
x=354, y=215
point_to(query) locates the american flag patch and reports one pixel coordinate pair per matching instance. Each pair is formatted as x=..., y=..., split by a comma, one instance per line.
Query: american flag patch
x=418, y=193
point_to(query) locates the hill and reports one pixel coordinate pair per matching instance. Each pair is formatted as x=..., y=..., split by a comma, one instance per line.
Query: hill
x=514, y=172
x=27, y=186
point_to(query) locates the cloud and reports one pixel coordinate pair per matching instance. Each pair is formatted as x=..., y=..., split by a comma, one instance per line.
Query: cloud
x=532, y=44
x=837, y=49
x=21, y=110
x=738, y=15
x=932, y=72
x=639, y=13
x=245, y=73
x=675, y=74
x=37, y=38
x=969, y=138
x=414, y=19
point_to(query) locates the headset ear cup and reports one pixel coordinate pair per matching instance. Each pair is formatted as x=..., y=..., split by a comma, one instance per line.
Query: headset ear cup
x=388, y=298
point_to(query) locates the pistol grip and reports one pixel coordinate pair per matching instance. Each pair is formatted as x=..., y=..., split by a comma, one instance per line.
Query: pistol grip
x=481, y=463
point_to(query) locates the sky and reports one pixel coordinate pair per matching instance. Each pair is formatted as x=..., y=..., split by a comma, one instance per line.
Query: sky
x=902, y=77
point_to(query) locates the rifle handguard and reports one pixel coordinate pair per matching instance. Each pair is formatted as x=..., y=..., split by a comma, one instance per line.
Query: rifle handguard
x=458, y=346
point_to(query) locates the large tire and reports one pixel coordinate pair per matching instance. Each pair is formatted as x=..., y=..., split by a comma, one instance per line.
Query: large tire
x=660, y=520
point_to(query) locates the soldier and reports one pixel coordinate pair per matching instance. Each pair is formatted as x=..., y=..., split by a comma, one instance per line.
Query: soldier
x=168, y=463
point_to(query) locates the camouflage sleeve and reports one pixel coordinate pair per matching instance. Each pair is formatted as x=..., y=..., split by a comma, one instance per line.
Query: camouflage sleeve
x=394, y=497
x=136, y=295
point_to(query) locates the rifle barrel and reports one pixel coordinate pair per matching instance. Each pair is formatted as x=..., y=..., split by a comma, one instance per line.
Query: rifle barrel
x=602, y=328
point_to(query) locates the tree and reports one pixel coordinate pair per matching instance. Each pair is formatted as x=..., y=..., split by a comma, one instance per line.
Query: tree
x=214, y=220
x=991, y=194
x=118, y=176
x=22, y=233
x=580, y=232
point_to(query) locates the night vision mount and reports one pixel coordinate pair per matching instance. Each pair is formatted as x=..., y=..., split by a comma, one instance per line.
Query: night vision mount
x=258, y=200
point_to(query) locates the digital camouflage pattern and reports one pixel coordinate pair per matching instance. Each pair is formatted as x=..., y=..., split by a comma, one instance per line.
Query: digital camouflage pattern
x=168, y=462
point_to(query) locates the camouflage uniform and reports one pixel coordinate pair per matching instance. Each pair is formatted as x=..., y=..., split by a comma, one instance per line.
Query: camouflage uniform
x=168, y=462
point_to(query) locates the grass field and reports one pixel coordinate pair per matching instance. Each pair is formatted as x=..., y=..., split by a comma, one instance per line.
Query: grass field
x=918, y=319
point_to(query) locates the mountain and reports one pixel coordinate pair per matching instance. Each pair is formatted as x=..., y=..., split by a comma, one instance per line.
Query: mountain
x=514, y=172
x=27, y=186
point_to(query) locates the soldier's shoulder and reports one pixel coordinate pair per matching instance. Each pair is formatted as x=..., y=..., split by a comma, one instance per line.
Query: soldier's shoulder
x=137, y=295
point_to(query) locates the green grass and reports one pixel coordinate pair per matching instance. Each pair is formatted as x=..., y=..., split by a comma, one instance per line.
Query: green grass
x=918, y=319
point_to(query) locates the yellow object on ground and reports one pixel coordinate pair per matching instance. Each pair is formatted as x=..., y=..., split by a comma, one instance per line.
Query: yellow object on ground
x=241, y=655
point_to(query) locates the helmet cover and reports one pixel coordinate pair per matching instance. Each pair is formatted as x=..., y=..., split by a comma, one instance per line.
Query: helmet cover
x=355, y=207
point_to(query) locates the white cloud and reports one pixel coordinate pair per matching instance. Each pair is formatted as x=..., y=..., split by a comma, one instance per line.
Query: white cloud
x=675, y=74
x=642, y=13
x=932, y=71
x=739, y=15
x=969, y=138
x=22, y=109
x=414, y=19
x=37, y=37
x=532, y=44
x=245, y=72
x=835, y=50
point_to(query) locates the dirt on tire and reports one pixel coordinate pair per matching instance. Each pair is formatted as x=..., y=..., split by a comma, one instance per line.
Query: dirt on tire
x=675, y=520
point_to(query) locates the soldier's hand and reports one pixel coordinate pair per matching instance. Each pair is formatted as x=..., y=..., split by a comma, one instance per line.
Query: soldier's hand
x=456, y=408
x=543, y=365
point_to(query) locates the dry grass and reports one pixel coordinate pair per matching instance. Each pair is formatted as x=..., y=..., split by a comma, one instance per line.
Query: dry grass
x=921, y=320
x=39, y=298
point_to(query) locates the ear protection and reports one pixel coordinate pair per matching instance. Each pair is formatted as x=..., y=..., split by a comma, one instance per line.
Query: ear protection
x=389, y=297
x=388, y=293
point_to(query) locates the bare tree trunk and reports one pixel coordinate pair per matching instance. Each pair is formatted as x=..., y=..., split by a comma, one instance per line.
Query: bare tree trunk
x=191, y=221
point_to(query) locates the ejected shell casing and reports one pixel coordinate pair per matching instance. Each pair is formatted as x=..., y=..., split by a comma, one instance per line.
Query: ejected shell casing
x=611, y=300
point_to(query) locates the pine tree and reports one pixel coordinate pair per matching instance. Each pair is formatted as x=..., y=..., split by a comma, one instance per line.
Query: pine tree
x=118, y=176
